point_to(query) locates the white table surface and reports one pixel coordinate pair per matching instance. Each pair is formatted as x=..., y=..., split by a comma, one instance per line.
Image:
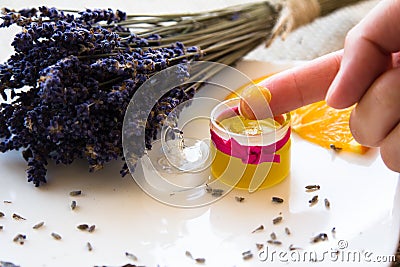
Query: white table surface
x=364, y=196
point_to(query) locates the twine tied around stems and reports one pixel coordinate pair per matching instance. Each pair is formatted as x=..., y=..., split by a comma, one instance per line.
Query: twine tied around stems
x=295, y=13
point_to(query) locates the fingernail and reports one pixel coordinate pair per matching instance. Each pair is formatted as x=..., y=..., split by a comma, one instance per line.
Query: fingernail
x=329, y=93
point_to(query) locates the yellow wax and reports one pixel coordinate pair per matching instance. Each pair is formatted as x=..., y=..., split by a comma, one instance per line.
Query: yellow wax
x=229, y=169
x=242, y=125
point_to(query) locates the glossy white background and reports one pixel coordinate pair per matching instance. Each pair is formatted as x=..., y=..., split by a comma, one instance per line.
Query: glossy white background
x=362, y=191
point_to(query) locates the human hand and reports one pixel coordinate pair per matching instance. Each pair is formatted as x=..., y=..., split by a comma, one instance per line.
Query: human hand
x=366, y=72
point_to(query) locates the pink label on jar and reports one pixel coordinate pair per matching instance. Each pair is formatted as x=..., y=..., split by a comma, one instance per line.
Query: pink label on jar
x=250, y=154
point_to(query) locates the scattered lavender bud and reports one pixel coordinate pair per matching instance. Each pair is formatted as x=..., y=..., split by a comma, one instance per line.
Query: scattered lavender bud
x=292, y=247
x=217, y=192
x=319, y=237
x=20, y=238
x=208, y=188
x=287, y=231
x=274, y=242
x=259, y=246
x=335, y=148
x=17, y=217
x=239, y=199
x=92, y=228
x=188, y=254
x=83, y=227
x=247, y=255
x=75, y=193
x=333, y=231
x=56, y=236
x=259, y=228
x=312, y=188
x=277, y=220
x=197, y=260
x=38, y=225
x=314, y=200
x=327, y=203
x=277, y=200
x=273, y=236
x=131, y=256
x=73, y=204
x=89, y=246
x=200, y=260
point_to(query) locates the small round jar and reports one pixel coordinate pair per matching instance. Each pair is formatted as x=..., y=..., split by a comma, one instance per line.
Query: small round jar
x=239, y=158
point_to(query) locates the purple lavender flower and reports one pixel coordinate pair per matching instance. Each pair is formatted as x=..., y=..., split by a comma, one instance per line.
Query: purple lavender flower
x=81, y=77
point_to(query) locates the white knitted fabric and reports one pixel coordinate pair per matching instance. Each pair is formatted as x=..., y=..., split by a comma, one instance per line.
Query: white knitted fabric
x=323, y=35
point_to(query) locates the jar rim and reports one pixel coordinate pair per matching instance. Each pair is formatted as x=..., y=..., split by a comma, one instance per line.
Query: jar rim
x=277, y=134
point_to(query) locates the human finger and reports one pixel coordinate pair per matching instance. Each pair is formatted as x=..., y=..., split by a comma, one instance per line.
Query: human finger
x=378, y=112
x=367, y=54
x=396, y=60
x=302, y=85
x=390, y=149
x=254, y=103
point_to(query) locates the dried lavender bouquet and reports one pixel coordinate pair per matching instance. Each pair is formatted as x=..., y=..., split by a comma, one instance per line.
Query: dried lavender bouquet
x=72, y=74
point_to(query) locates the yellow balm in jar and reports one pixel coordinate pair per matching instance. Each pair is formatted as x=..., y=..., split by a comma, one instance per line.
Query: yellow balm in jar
x=248, y=150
